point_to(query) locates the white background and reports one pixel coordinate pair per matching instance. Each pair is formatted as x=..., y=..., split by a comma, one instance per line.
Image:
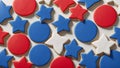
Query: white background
x=86, y=46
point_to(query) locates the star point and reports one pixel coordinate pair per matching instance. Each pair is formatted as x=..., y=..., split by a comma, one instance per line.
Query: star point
x=18, y=25
x=2, y=36
x=4, y=59
x=116, y=35
x=64, y=4
x=77, y=12
x=89, y=3
x=5, y=12
x=23, y=63
x=72, y=49
x=62, y=24
x=103, y=45
x=45, y=13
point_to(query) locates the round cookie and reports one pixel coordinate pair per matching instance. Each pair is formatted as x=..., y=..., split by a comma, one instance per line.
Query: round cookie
x=18, y=44
x=39, y=32
x=105, y=16
x=62, y=62
x=40, y=55
x=24, y=7
x=86, y=31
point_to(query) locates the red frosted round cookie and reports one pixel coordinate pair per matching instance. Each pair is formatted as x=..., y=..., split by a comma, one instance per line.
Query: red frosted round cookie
x=18, y=44
x=105, y=16
x=62, y=62
x=24, y=7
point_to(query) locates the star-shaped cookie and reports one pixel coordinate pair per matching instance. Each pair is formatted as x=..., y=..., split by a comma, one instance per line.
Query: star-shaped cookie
x=62, y=24
x=77, y=12
x=57, y=42
x=4, y=59
x=23, y=63
x=103, y=45
x=72, y=49
x=18, y=25
x=4, y=12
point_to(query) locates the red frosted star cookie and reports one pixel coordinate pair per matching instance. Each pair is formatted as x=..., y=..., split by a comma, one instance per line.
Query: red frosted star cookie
x=77, y=12
x=2, y=36
x=23, y=63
